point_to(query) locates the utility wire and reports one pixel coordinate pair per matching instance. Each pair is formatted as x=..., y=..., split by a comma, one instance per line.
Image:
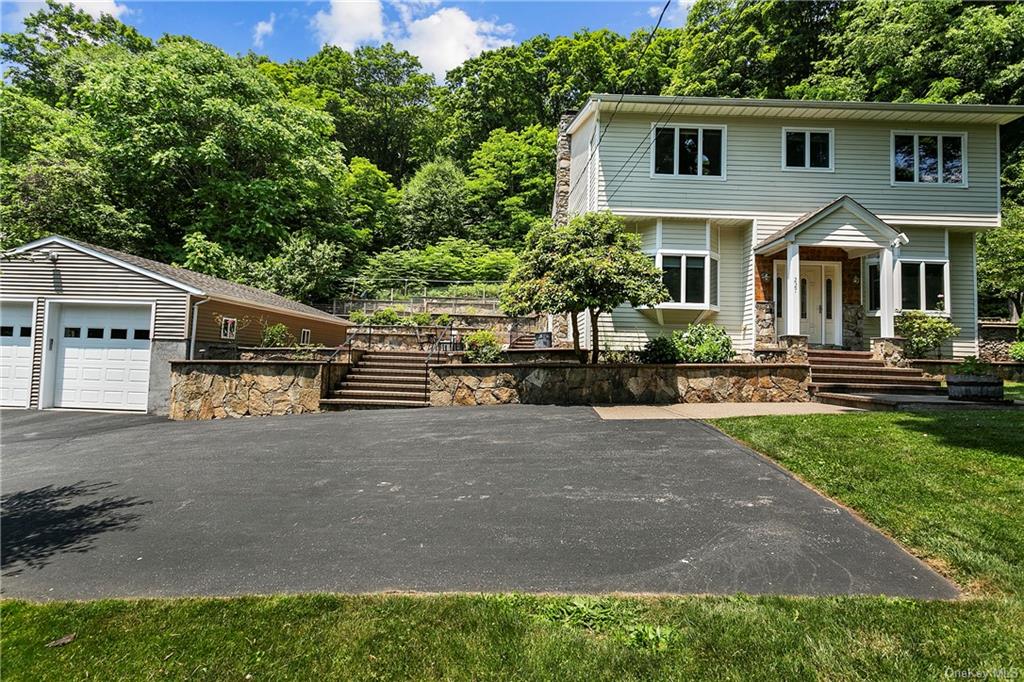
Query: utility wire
x=625, y=87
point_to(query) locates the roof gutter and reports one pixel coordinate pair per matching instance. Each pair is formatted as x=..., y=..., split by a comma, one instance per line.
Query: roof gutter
x=195, y=319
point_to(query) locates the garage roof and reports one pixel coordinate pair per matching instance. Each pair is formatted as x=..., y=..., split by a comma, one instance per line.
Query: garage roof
x=187, y=280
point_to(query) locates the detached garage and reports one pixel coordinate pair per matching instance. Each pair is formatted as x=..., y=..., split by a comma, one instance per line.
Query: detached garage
x=82, y=326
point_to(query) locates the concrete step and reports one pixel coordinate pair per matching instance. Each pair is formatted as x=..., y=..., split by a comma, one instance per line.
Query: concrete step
x=859, y=370
x=844, y=387
x=872, y=378
x=360, y=379
x=862, y=402
x=369, y=403
x=848, y=362
x=360, y=370
x=417, y=393
x=852, y=354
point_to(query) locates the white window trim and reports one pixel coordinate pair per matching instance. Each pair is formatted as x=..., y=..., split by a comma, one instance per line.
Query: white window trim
x=921, y=262
x=865, y=278
x=707, y=254
x=304, y=337
x=234, y=328
x=807, y=150
x=928, y=133
x=700, y=151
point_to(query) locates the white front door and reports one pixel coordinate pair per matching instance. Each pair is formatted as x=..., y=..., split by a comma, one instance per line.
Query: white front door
x=810, y=303
x=15, y=353
x=102, y=359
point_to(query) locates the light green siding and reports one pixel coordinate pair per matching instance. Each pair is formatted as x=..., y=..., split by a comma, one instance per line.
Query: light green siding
x=582, y=177
x=649, y=235
x=925, y=242
x=684, y=235
x=756, y=185
x=963, y=298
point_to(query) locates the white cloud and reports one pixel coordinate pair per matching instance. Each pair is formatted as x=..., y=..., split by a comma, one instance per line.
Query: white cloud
x=449, y=36
x=675, y=15
x=262, y=29
x=349, y=23
x=442, y=38
x=14, y=20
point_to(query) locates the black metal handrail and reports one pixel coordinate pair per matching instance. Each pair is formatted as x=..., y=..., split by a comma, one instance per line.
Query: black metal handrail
x=351, y=337
x=436, y=345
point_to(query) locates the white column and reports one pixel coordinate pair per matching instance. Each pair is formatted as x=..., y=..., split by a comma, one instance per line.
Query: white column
x=888, y=304
x=792, y=309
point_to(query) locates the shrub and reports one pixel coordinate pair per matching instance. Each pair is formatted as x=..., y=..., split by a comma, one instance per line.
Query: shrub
x=620, y=357
x=972, y=366
x=358, y=317
x=1020, y=329
x=482, y=346
x=386, y=317
x=276, y=335
x=923, y=333
x=703, y=343
x=443, y=320
x=1017, y=351
x=420, y=319
x=661, y=350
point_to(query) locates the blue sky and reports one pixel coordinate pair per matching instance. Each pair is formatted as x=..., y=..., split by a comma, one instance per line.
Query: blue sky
x=442, y=34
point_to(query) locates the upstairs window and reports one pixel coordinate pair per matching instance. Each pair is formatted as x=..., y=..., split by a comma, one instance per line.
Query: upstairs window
x=689, y=151
x=928, y=159
x=807, y=149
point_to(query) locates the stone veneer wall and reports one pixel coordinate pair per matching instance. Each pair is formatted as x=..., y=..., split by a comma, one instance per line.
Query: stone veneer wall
x=994, y=339
x=1008, y=371
x=214, y=389
x=501, y=384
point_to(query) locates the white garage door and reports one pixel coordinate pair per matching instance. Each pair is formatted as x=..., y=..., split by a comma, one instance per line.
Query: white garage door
x=102, y=357
x=15, y=353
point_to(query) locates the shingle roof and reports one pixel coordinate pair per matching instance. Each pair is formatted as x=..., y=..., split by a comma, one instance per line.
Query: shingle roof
x=212, y=286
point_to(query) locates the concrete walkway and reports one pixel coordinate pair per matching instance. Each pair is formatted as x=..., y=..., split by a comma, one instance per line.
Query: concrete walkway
x=715, y=410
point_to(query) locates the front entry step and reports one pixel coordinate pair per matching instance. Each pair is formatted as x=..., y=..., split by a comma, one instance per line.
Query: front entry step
x=845, y=377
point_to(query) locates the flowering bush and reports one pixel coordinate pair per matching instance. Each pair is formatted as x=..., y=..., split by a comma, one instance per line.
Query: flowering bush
x=923, y=333
x=482, y=346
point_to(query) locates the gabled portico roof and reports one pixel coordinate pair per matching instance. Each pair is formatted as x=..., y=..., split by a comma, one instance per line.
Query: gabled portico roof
x=884, y=232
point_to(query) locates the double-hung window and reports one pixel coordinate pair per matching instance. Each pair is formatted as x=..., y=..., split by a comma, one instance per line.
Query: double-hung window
x=691, y=279
x=696, y=151
x=929, y=159
x=922, y=285
x=807, y=149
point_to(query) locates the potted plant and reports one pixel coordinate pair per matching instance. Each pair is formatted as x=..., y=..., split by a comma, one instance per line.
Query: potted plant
x=973, y=380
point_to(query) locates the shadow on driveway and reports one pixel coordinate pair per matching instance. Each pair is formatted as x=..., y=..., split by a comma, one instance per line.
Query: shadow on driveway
x=42, y=522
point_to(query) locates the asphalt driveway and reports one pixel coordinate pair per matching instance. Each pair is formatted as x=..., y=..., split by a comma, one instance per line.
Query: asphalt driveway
x=542, y=499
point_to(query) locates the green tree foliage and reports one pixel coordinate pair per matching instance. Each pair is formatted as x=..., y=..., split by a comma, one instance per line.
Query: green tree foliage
x=448, y=259
x=750, y=49
x=42, y=55
x=511, y=183
x=433, y=204
x=1001, y=258
x=379, y=98
x=591, y=264
x=371, y=202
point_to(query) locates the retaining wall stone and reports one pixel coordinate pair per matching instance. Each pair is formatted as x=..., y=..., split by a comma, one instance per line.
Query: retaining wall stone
x=218, y=389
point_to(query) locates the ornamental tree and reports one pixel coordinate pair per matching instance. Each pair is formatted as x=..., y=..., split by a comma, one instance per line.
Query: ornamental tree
x=592, y=264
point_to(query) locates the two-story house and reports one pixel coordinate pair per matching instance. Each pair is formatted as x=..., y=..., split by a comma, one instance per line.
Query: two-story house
x=775, y=217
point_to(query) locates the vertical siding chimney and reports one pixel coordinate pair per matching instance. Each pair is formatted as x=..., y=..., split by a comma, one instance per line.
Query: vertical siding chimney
x=563, y=174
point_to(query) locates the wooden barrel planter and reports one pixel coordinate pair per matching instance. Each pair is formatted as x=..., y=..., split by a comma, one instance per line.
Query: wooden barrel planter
x=974, y=387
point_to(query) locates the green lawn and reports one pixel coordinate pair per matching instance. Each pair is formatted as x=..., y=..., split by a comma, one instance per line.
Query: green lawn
x=1014, y=390
x=948, y=485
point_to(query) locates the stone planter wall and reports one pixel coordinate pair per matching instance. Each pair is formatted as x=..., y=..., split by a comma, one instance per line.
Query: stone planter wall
x=560, y=384
x=205, y=389
x=994, y=339
x=1008, y=371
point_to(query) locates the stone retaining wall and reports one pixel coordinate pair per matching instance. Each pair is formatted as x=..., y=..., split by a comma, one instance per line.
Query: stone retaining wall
x=994, y=339
x=560, y=384
x=1008, y=371
x=205, y=389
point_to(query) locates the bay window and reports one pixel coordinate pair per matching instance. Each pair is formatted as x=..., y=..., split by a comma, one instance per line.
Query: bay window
x=929, y=159
x=691, y=279
x=688, y=151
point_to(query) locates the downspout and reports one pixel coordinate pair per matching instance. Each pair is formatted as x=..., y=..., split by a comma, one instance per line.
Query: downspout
x=195, y=319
